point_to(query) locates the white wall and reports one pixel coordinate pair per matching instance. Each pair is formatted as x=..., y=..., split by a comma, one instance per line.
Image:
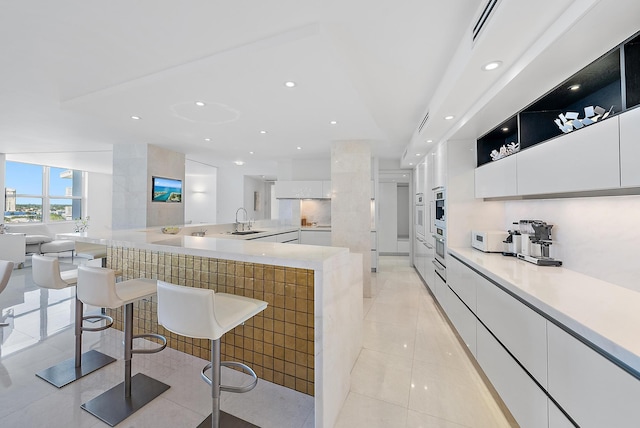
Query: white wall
x=256, y=199
x=3, y=159
x=130, y=188
x=597, y=236
x=230, y=193
x=200, y=192
x=403, y=207
x=99, y=204
x=388, y=218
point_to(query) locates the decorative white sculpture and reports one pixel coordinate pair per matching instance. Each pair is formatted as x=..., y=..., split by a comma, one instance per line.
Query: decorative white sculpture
x=569, y=121
x=505, y=151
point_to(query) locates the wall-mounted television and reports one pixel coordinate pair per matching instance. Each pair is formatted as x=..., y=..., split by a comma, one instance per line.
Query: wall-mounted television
x=166, y=190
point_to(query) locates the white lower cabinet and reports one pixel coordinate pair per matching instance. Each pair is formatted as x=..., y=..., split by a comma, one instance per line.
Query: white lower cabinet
x=315, y=237
x=462, y=280
x=591, y=389
x=519, y=328
x=289, y=237
x=271, y=238
x=462, y=319
x=526, y=401
x=557, y=419
x=439, y=289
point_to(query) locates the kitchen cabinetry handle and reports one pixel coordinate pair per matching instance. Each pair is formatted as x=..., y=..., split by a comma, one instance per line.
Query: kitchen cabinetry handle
x=437, y=265
x=428, y=246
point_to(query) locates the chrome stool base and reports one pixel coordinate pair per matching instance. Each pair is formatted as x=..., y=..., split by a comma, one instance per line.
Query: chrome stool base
x=112, y=406
x=66, y=372
x=228, y=421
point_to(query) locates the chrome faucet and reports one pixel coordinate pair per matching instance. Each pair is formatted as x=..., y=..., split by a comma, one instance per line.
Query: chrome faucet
x=245, y=219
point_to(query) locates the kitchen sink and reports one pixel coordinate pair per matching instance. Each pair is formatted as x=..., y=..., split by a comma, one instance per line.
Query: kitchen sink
x=246, y=232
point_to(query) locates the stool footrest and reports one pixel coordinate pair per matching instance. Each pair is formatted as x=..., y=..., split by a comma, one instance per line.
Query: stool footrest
x=150, y=351
x=97, y=317
x=237, y=389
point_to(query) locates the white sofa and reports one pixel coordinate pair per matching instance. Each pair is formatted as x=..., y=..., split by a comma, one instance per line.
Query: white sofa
x=40, y=240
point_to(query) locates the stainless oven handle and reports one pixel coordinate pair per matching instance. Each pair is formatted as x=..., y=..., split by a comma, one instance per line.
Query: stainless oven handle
x=438, y=266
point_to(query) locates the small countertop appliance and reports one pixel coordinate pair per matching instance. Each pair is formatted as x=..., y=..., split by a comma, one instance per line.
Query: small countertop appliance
x=536, y=240
x=489, y=241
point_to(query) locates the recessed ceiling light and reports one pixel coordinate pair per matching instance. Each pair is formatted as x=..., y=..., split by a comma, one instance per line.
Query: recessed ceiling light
x=429, y=141
x=574, y=87
x=410, y=163
x=299, y=148
x=505, y=129
x=200, y=104
x=263, y=132
x=239, y=163
x=250, y=153
x=290, y=84
x=404, y=175
x=136, y=117
x=491, y=65
x=448, y=117
x=417, y=154
x=207, y=139
x=333, y=122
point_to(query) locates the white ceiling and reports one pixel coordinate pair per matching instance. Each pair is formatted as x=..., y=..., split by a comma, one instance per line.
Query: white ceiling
x=72, y=72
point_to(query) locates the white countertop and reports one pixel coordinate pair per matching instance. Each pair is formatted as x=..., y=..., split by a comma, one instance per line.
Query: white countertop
x=604, y=314
x=242, y=249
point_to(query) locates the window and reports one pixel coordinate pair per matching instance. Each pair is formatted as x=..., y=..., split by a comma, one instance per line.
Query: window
x=32, y=190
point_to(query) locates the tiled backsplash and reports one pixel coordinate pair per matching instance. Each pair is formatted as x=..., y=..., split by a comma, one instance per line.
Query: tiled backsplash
x=278, y=343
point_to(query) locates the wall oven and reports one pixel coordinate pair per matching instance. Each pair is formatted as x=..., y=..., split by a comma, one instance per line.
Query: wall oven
x=420, y=216
x=440, y=248
x=439, y=200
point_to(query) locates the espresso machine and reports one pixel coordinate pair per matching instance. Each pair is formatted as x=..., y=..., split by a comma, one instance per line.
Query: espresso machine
x=535, y=243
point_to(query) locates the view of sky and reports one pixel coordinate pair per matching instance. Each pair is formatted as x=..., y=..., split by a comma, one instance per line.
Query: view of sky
x=27, y=179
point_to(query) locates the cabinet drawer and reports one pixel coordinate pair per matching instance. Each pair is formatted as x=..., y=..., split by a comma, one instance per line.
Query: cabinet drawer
x=519, y=328
x=591, y=389
x=587, y=159
x=462, y=280
x=526, y=401
x=462, y=319
x=286, y=237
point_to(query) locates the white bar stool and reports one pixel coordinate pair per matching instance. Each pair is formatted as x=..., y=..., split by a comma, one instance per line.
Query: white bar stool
x=6, y=268
x=97, y=286
x=204, y=314
x=47, y=275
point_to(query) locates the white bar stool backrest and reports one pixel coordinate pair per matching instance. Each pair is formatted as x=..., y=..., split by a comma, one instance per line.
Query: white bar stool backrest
x=46, y=272
x=97, y=287
x=6, y=268
x=188, y=311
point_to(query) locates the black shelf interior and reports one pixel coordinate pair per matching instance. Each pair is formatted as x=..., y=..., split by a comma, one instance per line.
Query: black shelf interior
x=632, y=71
x=504, y=134
x=600, y=84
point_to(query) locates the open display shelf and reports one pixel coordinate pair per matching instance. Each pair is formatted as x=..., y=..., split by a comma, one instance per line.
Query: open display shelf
x=611, y=82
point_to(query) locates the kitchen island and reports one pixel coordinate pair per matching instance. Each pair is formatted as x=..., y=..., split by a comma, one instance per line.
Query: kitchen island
x=309, y=336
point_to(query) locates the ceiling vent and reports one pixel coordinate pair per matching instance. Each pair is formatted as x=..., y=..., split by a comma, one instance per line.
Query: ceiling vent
x=482, y=20
x=423, y=122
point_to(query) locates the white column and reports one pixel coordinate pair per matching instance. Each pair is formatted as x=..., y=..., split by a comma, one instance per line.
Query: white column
x=351, y=202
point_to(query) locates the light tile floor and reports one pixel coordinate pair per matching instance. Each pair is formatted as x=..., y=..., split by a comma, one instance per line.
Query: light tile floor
x=412, y=371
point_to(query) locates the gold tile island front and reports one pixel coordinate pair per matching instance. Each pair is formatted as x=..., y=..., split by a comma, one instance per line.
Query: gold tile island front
x=278, y=343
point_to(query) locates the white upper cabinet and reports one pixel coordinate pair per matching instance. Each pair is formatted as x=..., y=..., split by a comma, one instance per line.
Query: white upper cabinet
x=299, y=189
x=630, y=148
x=587, y=159
x=326, y=189
x=496, y=179
x=439, y=166
x=420, y=177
